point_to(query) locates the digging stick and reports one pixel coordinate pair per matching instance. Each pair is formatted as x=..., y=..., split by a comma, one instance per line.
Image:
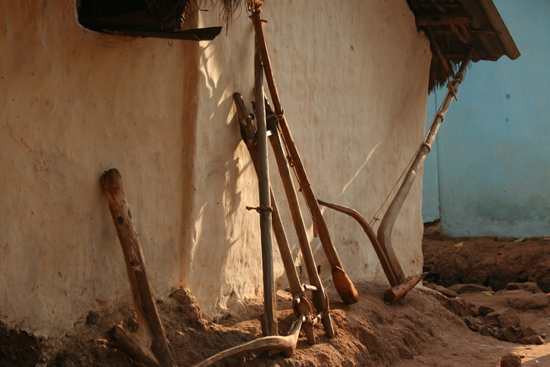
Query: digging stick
x=270, y=308
x=388, y=221
x=342, y=282
x=285, y=344
x=300, y=304
x=320, y=297
x=148, y=345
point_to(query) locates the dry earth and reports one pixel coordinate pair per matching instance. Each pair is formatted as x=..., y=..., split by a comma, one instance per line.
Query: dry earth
x=423, y=329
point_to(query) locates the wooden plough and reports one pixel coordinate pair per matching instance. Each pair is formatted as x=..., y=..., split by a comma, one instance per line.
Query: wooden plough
x=381, y=242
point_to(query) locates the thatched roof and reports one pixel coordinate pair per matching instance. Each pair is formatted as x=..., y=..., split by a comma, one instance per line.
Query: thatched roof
x=453, y=26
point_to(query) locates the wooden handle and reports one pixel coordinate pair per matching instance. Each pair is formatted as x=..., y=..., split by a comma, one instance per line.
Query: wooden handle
x=388, y=264
x=148, y=344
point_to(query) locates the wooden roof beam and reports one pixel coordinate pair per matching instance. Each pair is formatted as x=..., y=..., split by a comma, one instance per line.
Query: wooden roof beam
x=442, y=19
x=444, y=62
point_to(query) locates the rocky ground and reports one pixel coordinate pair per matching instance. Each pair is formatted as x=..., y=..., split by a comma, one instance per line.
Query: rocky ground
x=461, y=325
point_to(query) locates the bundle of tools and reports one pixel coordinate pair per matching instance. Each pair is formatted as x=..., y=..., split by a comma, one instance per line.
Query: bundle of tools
x=255, y=128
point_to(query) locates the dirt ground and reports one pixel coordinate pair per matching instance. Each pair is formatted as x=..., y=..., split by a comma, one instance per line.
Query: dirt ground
x=425, y=328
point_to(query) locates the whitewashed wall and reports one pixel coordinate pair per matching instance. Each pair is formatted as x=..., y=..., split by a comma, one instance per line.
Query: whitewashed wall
x=73, y=103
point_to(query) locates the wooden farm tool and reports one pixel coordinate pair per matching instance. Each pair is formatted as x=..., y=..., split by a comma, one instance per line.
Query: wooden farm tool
x=301, y=305
x=388, y=221
x=342, y=282
x=286, y=344
x=148, y=345
x=382, y=242
x=320, y=298
x=399, y=285
x=269, y=319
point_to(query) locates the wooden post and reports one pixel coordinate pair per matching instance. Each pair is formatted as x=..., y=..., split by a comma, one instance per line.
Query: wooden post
x=248, y=131
x=148, y=345
x=320, y=297
x=270, y=306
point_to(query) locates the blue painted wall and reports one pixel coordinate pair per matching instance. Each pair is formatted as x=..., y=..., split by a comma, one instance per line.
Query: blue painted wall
x=490, y=173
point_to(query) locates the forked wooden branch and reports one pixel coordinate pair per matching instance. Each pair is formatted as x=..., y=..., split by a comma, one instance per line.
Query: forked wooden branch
x=148, y=345
x=285, y=344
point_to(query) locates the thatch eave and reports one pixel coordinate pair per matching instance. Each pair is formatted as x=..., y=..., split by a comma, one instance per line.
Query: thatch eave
x=453, y=26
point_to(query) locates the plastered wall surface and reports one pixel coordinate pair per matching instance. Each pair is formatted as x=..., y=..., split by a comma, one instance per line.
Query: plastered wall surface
x=493, y=167
x=74, y=103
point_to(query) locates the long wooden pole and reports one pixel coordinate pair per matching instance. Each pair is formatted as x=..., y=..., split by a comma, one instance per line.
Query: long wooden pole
x=249, y=135
x=388, y=221
x=148, y=345
x=320, y=298
x=342, y=282
x=270, y=306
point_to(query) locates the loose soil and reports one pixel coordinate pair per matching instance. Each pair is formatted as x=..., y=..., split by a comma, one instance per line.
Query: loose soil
x=425, y=328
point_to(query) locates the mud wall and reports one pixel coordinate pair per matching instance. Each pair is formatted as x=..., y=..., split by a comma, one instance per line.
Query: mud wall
x=353, y=81
x=492, y=167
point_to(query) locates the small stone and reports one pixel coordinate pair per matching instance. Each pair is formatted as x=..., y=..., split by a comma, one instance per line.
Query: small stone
x=510, y=360
x=446, y=292
x=527, y=286
x=468, y=288
x=533, y=339
x=486, y=331
x=535, y=301
x=508, y=318
x=492, y=318
x=511, y=334
x=499, y=334
x=528, y=331
x=485, y=310
x=473, y=323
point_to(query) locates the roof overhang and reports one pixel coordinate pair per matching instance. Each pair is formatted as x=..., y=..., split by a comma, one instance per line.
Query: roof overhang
x=453, y=26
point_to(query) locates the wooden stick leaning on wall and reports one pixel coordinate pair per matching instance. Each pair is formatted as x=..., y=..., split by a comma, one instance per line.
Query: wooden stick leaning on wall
x=388, y=221
x=320, y=298
x=269, y=319
x=300, y=305
x=342, y=282
x=285, y=344
x=148, y=345
x=382, y=242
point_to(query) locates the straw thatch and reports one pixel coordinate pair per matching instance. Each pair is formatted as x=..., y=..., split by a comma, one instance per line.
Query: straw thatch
x=455, y=26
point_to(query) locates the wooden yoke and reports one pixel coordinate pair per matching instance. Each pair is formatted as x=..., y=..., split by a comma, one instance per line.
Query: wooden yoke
x=342, y=282
x=148, y=345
